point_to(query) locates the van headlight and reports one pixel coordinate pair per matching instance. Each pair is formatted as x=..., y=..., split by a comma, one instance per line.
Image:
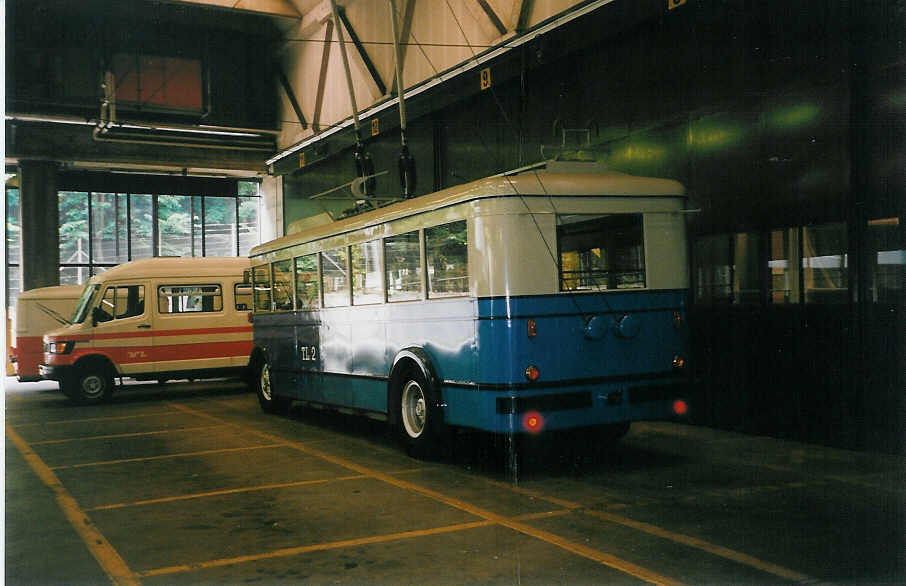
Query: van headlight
x=59, y=347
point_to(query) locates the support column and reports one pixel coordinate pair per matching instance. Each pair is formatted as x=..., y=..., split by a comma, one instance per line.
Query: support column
x=39, y=219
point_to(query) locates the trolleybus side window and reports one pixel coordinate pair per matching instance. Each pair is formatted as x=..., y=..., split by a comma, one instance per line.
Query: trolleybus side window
x=282, y=283
x=601, y=252
x=366, y=273
x=403, y=266
x=308, y=288
x=447, y=260
x=189, y=298
x=335, y=277
x=261, y=279
x=242, y=293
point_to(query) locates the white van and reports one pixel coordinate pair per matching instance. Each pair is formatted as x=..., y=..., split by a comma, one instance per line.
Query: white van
x=155, y=318
x=37, y=312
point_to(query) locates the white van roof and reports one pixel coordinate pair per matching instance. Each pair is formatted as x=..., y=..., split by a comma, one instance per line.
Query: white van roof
x=183, y=267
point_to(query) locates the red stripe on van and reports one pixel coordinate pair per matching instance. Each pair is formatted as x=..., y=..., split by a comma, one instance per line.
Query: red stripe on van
x=169, y=352
x=151, y=333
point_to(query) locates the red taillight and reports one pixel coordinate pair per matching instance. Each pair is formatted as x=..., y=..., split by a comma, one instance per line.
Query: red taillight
x=532, y=373
x=677, y=319
x=250, y=317
x=680, y=407
x=679, y=362
x=531, y=328
x=532, y=422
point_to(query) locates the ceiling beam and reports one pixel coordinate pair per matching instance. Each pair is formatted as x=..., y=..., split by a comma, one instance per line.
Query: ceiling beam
x=282, y=8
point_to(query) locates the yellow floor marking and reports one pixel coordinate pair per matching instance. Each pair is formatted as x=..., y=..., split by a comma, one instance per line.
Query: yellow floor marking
x=122, y=435
x=290, y=551
x=108, y=558
x=718, y=550
x=576, y=548
x=213, y=493
x=93, y=419
x=166, y=456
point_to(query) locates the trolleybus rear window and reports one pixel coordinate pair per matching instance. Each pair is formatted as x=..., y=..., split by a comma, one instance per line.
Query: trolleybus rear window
x=601, y=252
x=447, y=260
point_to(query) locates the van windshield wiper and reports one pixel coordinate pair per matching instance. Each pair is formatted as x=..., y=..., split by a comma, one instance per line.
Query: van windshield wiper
x=54, y=314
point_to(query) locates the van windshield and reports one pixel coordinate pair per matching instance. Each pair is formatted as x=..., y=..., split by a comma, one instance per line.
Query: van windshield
x=85, y=302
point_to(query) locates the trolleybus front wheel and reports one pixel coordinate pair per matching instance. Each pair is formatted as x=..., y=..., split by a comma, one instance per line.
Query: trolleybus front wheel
x=270, y=403
x=419, y=418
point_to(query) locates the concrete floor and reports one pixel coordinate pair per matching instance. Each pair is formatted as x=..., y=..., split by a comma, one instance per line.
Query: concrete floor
x=189, y=483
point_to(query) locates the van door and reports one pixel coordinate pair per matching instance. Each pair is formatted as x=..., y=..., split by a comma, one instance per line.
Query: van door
x=122, y=329
x=189, y=328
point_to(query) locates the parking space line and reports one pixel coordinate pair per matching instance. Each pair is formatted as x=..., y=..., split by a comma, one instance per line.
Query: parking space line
x=165, y=456
x=122, y=435
x=600, y=557
x=107, y=557
x=93, y=419
x=656, y=531
x=226, y=491
x=290, y=551
x=717, y=550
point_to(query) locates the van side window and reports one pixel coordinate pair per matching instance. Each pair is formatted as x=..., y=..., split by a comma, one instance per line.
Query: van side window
x=242, y=293
x=189, y=298
x=121, y=302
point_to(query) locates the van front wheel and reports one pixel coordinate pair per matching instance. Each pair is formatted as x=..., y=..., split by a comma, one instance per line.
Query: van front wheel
x=89, y=384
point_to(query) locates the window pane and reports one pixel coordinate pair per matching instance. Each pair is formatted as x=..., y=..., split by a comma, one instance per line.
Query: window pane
x=746, y=286
x=242, y=293
x=886, y=237
x=366, y=273
x=824, y=261
x=261, y=277
x=334, y=277
x=174, y=225
x=283, y=281
x=402, y=257
x=189, y=298
x=13, y=231
x=248, y=223
x=130, y=301
x=197, y=237
x=141, y=226
x=447, y=260
x=601, y=252
x=219, y=226
x=74, y=275
x=308, y=294
x=13, y=239
x=109, y=228
x=712, y=269
x=784, y=266
x=73, y=227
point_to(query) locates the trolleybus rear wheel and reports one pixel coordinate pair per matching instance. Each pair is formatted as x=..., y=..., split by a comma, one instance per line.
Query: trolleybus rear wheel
x=419, y=419
x=270, y=403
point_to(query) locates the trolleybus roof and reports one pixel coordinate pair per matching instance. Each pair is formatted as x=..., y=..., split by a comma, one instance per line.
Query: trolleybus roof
x=557, y=179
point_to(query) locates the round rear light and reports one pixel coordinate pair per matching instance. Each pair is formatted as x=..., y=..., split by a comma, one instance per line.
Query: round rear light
x=532, y=422
x=532, y=373
x=531, y=328
x=680, y=407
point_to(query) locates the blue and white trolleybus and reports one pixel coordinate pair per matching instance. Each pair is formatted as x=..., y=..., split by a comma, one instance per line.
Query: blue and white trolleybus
x=548, y=298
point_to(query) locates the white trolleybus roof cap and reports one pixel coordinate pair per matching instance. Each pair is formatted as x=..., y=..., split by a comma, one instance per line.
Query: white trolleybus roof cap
x=551, y=178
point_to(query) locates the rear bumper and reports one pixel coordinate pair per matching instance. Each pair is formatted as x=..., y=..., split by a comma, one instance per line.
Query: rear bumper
x=508, y=411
